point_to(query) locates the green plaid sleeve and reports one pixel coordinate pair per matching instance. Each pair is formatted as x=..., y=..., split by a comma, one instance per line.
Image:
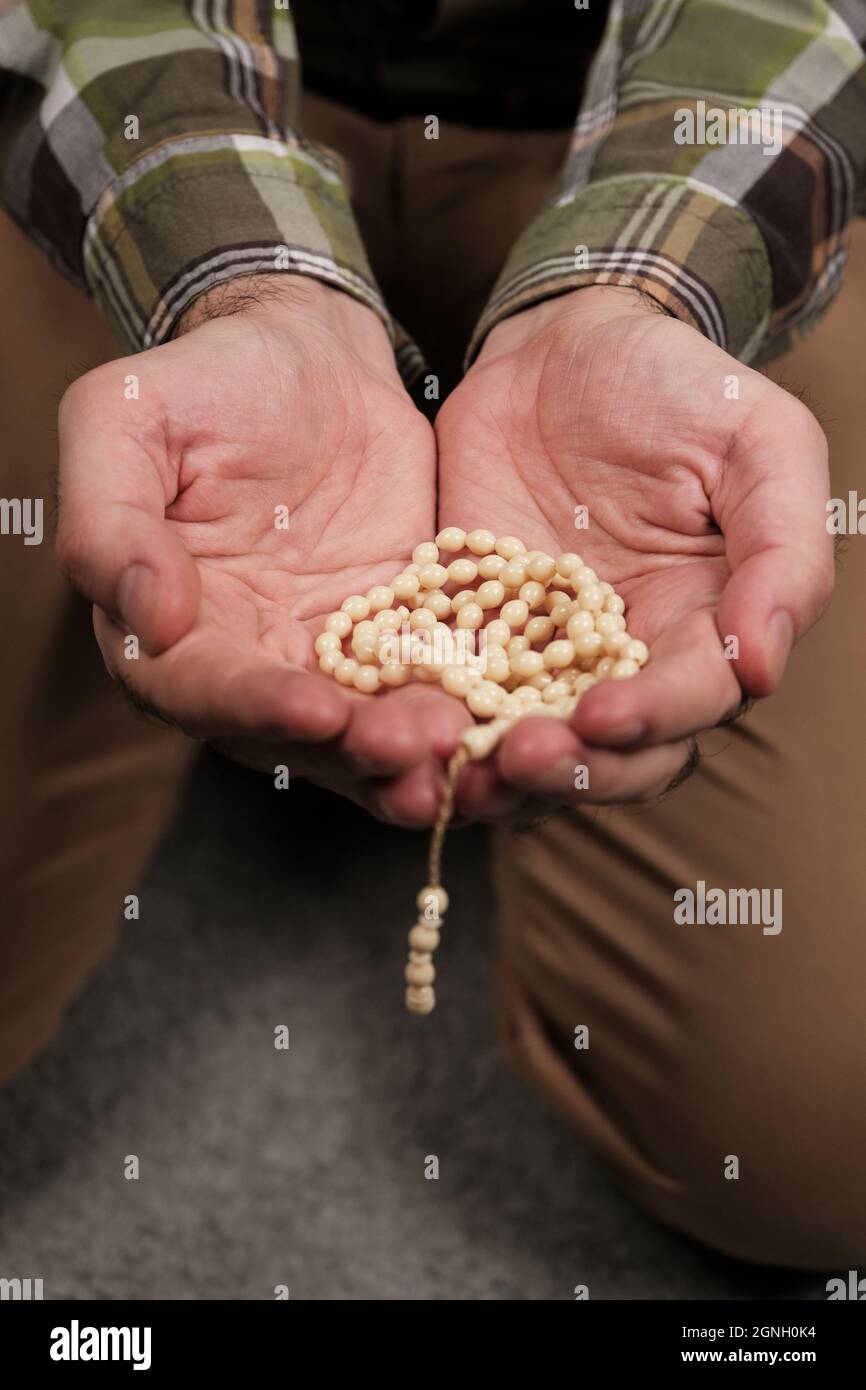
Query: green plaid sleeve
x=716, y=165
x=151, y=150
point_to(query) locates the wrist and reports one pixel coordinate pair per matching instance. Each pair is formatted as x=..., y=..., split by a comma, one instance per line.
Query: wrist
x=295, y=299
x=591, y=303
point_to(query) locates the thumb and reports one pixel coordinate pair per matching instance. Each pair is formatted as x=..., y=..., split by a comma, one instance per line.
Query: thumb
x=113, y=541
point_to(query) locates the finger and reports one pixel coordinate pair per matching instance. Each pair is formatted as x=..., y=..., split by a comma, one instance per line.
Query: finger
x=689, y=685
x=545, y=759
x=441, y=717
x=112, y=540
x=211, y=692
x=771, y=505
x=411, y=799
x=387, y=734
x=482, y=795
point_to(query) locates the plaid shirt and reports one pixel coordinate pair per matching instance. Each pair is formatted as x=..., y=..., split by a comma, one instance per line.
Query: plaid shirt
x=152, y=150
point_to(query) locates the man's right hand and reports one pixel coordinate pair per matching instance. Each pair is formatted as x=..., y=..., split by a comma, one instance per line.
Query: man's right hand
x=173, y=467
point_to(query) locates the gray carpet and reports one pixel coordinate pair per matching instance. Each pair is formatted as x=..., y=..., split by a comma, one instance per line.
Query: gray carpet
x=261, y=1167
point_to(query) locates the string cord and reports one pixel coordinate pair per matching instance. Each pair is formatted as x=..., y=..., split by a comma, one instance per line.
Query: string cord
x=446, y=811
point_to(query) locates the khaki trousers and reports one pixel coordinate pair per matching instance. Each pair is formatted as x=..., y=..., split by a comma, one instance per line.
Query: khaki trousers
x=720, y=1070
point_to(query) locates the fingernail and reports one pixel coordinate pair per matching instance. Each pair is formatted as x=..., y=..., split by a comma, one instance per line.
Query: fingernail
x=781, y=639
x=136, y=598
x=617, y=737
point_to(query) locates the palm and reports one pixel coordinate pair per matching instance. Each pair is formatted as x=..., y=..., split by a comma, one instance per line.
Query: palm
x=594, y=432
x=288, y=509
x=267, y=469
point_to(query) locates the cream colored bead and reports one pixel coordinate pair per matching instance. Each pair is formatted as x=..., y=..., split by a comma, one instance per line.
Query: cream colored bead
x=541, y=567
x=366, y=679
x=327, y=642
x=515, y=645
x=491, y=593
x=344, y=671
x=406, y=585
x=514, y=573
x=420, y=957
x=480, y=739
x=619, y=619
x=340, y=624
x=614, y=644
x=394, y=674
x=558, y=654
x=328, y=662
x=604, y=667
x=480, y=542
x=427, y=553
x=555, y=691
x=452, y=539
x=526, y=664
x=456, y=680
x=356, y=607
x=420, y=974
x=386, y=620
x=422, y=618
x=432, y=900
x=366, y=649
x=484, y=700
x=532, y=593
x=420, y=999
x=424, y=937
x=498, y=632
x=623, y=669
x=562, y=612
x=606, y=588
x=527, y=695
x=439, y=603
x=590, y=598
x=583, y=578
x=579, y=624
x=635, y=650
x=463, y=571
x=509, y=546
x=470, y=615
x=556, y=597
x=380, y=597
x=428, y=671
x=539, y=630
x=568, y=563
x=605, y=623
x=614, y=603
x=433, y=576
x=515, y=613
x=491, y=566
x=496, y=664
x=585, y=682
x=542, y=680
x=464, y=596
x=587, y=644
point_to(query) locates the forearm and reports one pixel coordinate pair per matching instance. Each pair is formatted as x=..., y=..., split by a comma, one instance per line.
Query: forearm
x=156, y=157
x=745, y=244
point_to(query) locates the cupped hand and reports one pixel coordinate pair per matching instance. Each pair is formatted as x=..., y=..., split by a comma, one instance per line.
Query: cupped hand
x=219, y=496
x=704, y=488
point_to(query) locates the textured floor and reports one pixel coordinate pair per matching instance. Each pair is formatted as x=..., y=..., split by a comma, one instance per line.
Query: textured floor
x=261, y=1167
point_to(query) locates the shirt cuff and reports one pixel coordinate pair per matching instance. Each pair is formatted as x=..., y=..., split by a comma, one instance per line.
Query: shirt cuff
x=203, y=209
x=701, y=258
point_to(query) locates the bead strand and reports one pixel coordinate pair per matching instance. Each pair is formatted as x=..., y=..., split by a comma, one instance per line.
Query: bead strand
x=551, y=630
